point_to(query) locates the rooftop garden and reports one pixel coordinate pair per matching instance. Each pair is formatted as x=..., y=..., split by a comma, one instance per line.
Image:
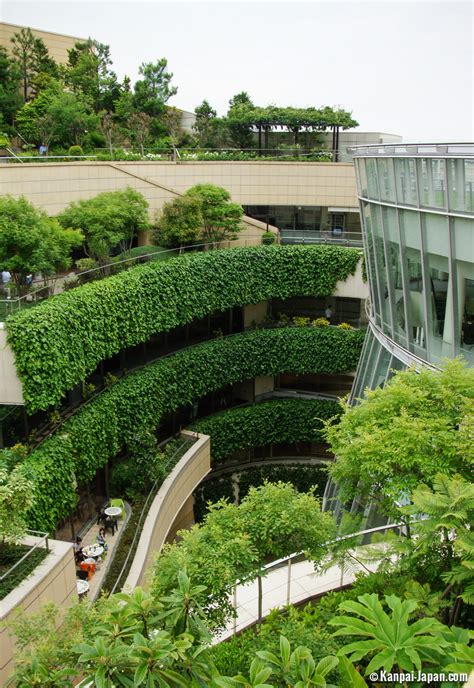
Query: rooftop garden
x=82, y=109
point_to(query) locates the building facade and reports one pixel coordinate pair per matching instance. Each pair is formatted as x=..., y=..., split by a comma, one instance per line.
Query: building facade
x=417, y=215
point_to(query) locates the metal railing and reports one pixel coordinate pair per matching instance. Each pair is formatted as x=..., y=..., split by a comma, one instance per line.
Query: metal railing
x=421, y=150
x=44, y=539
x=297, y=236
x=124, y=153
x=280, y=591
x=188, y=442
x=59, y=283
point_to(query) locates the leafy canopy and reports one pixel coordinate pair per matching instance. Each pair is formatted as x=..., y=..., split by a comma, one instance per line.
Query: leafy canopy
x=420, y=424
x=32, y=242
x=108, y=220
x=221, y=218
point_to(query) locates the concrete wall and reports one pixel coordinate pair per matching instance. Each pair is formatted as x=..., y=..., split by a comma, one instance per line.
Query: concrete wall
x=354, y=286
x=57, y=44
x=11, y=391
x=170, y=506
x=52, y=186
x=54, y=580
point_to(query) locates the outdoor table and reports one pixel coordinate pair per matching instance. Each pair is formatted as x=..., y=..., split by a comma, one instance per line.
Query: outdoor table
x=113, y=511
x=82, y=587
x=93, y=551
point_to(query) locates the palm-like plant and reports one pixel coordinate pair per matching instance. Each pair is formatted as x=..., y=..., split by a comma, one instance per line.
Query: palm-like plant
x=390, y=640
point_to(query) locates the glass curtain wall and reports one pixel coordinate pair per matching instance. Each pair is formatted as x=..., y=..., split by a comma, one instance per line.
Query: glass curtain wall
x=419, y=244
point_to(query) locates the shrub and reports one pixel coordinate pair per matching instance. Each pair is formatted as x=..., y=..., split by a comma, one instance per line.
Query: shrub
x=301, y=321
x=268, y=238
x=75, y=150
x=137, y=402
x=62, y=340
x=320, y=322
x=344, y=326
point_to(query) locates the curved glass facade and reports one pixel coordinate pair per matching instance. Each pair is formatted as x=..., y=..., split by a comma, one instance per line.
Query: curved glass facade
x=417, y=213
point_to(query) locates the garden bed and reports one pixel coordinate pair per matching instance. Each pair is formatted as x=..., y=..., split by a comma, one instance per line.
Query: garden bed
x=9, y=555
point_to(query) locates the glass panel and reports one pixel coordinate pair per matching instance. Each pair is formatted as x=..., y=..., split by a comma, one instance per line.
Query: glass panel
x=395, y=273
x=438, y=175
x=372, y=180
x=405, y=178
x=382, y=368
x=395, y=366
x=409, y=226
x=436, y=240
x=469, y=185
x=461, y=184
x=386, y=179
x=370, y=257
x=464, y=292
x=362, y=177
x=381, y=267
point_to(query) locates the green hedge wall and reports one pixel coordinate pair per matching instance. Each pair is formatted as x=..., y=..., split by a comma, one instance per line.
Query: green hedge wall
x=62, y=340
x=278, y=421
x=102, y=427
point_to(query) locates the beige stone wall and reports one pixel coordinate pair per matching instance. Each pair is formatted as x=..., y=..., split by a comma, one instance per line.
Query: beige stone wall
x=54, y=580
x=52, y=186
x=57, y=44
x=11, y=391
x=170, y=505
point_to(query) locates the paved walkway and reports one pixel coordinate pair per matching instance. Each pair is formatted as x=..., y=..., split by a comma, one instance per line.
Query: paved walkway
x=90, y=538
x=281, y=586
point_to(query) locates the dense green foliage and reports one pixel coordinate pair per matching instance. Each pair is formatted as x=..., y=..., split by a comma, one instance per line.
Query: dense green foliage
x=9, y=555
x=138, y=401
x=107, y=220
x=32, y=242
x=270, y=422
x=59, y=342
x=302, y=476
x=233, y=543
x=221, y=218
x=420, y=424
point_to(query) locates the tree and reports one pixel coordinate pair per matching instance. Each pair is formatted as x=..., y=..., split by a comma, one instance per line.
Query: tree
x=172, y=119
x=221, y=217
x=402, y=435
x=446, y=526
x=32, y=58
x=233, y=542
x=56, y=116
x=108, y=220
x=88, y=73
x=205, y=125
x=390, y=640
x=10, y=97
x=31, y=242
x=154, y=90
x=138, y=128
x=237, y=120
x=110, y=130
x=16, y=498
x=180, y=222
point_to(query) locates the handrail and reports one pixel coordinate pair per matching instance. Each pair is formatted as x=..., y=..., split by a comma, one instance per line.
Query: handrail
x=44, y=538
x=143, y=511
x=430, y=150
x=99, y=269
x=279, y=563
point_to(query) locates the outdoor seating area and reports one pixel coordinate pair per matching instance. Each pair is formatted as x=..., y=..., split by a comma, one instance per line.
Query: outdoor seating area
x=95, y=548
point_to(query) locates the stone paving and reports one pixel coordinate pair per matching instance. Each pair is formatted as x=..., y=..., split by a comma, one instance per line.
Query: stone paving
x=90, y=538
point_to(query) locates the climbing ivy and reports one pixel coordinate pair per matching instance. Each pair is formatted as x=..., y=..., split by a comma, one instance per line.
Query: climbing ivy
x=105, y=425
x=62, y=340
x=279, y=421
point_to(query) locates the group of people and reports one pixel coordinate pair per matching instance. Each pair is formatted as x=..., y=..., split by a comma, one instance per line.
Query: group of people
x=86, y=567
